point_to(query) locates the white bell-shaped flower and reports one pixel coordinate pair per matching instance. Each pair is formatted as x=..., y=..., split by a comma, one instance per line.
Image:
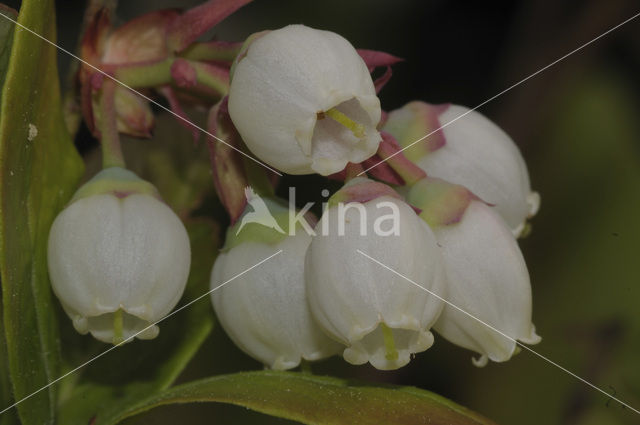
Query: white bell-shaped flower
x=476, y=154
x=381, y=317
x=488, y=279
x=303, y=101
x=265, y=310
x=118, y=257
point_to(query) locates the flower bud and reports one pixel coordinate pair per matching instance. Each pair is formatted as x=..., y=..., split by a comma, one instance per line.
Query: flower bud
x=381, y=317
x=471, y=151
x=265, y=311
x=304, y=102
x=487, y=278
x=118, y=257
x=141, y=40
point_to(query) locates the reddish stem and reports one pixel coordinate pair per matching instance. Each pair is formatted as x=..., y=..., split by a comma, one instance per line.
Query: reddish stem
x=390, y=151
x=194, y=22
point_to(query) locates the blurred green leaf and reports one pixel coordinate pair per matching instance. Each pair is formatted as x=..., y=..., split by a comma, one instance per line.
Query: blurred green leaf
x=6, y=397
x=9, y=417
x=6, y=39
x=140, y=368
x=171, y=160
x=583, y=262
x=39, y=169
x=314, y=399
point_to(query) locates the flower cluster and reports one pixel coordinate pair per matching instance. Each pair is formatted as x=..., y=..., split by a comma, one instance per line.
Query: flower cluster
x=420, y=237
x=441, y=218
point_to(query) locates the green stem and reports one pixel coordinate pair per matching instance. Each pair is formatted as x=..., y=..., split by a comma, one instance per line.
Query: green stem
x=212, y=51
x=158, y=74
x=356, y=128
x=212, y=77
x=118, y=325
x=109, y=137
x=146, y=75
x=389, y=343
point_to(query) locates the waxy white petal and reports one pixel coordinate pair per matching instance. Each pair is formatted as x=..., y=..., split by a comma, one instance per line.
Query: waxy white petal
x=352, y=297
x=265, y=311
x=480, y=156
x=286, y=79
x=107, y=253
x=487, y=278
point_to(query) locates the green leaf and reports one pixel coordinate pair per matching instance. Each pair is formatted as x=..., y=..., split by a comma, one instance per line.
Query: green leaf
x=6, y=39
x=177, y=166
x=6, y=397
x=140, y=368
x=583, y=259
x=9, y=417
x=314, y=400
x=39, y=169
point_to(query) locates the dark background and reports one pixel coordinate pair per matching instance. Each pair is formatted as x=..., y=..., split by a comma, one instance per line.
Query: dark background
x=577, y=124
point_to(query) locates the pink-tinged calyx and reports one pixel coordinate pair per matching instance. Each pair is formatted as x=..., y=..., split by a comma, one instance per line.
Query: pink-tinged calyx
x=392, y=154
x=361, y=189
x=441, y=203
x=415, y=121
x=118, y=182
x=374, y=59
x=229, y=174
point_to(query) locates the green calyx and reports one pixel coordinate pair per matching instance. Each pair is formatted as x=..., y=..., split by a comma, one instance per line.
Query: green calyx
x=344, y=195
x=264, y=220
x=411, y=123
x=442, y=203
x=115, y=181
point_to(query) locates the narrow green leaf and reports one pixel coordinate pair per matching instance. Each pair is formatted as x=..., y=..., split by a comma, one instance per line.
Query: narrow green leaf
x=6, y=39
x=6, y=397
x=39, y=169
x=314, y=400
